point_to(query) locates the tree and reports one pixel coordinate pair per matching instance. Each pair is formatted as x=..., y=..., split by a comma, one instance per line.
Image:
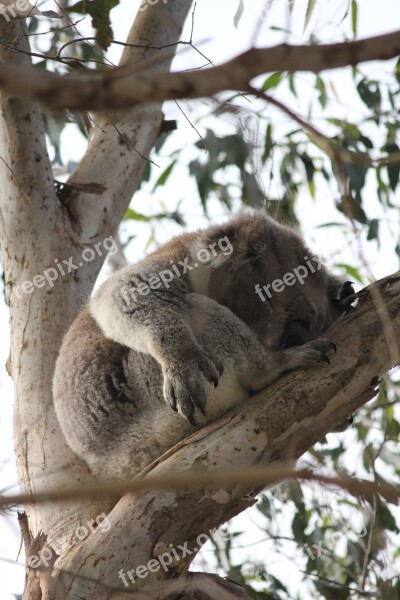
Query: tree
x=45, y=223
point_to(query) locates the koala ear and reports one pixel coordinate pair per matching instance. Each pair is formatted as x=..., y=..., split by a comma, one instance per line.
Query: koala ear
x=213, y=249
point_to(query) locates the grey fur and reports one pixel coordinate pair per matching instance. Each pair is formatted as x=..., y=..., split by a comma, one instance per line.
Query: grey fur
x=126, y=354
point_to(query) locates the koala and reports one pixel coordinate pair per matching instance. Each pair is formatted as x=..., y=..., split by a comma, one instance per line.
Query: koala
x=172, y=342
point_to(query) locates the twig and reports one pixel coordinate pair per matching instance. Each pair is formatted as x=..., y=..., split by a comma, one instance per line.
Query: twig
x=194, y=479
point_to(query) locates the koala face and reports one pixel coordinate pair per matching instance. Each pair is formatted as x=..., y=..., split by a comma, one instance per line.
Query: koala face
x=273, y=282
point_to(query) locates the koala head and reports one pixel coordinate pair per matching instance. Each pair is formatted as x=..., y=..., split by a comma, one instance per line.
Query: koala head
x=271, y=280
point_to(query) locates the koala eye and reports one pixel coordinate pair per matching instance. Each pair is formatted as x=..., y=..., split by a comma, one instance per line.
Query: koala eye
x=295, y=334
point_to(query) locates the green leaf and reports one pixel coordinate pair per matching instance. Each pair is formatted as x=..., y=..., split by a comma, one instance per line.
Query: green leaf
x=352, y=271
x=147, y=172
x=373, y=230
x=252, y=195
x=332, y=591
x=310, y=9
x=135, y=216
x=393, y=169
x=33, y=25
x=353, y=204
x=356, y=174
x=235, y=150
x=397, y=70
x=164, y=176
x=299, y=525
x=355, y=551
x=204, y=180
x=369, y=93
x=100, y=13
x=385, y=519
x=291, y=84
x=264, y=506
x=223, y=195
x=366, y=141
x=354, y=17
x=276, y=584
x=393, y=101
x=320, y=85
x=393, y=430
x=268, y=144
x=308, y=166
x=272, y=81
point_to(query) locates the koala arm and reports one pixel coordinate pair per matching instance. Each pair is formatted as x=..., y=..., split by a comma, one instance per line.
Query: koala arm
x=157, y=323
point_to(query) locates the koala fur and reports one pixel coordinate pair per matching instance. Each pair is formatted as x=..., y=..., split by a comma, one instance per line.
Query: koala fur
x=145, y=364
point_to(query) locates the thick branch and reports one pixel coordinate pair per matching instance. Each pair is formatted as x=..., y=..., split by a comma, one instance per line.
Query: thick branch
x=277, y=425
x=121, y=142
x=126, y=88
x=33, y=233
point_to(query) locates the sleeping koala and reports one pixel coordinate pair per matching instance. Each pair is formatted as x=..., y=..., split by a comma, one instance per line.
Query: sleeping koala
x=172, y=342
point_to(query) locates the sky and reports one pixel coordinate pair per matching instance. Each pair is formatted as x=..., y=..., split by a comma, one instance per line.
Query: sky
x=217, y=37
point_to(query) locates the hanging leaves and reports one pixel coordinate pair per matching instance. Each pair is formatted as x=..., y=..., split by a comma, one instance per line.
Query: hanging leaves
x=100, y=13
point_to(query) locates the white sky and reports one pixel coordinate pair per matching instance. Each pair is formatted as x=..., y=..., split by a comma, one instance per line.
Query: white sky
x=217, y=37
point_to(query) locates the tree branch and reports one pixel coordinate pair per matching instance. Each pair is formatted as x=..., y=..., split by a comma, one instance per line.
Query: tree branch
x=277, y=425
x=120, y=145
x=255, y=476
x=125, y=87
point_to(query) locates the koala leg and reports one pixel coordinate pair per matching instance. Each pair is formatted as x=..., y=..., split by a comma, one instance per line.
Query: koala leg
x=157, y=324
x=255, y=366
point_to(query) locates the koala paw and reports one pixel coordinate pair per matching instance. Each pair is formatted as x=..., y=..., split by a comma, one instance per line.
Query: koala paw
x=184, y=388
x=311, y=354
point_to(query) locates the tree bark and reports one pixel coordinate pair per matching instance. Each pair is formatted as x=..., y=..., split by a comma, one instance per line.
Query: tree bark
x=276, y=425
x=125, y=87
x=37, y=230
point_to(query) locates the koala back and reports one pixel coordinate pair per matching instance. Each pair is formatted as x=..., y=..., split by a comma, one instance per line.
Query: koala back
x=109, y=398
x=127, y=352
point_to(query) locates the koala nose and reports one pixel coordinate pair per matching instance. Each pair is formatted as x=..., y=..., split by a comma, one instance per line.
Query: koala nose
x=295, y=333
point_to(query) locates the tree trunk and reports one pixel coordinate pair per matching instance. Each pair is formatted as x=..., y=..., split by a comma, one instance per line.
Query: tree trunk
x=38, y=228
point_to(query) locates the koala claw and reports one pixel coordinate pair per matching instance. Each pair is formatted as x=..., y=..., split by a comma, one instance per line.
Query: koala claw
x=322, y=344
x=184, y=390
x=173, y=400
x=313, y=353
x=325, y=359
x=192, y=420
x=209, y=368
